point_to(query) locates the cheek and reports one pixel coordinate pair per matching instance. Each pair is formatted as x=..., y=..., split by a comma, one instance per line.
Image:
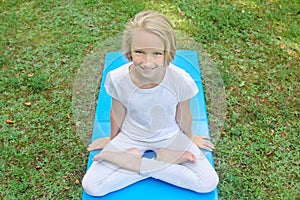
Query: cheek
x=136, y=60
x=135, y=57
x=160, y=61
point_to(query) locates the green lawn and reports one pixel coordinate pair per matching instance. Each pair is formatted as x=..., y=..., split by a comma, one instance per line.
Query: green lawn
x=253, y=44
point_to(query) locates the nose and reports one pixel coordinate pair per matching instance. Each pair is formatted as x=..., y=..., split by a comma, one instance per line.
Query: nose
x=148, y=60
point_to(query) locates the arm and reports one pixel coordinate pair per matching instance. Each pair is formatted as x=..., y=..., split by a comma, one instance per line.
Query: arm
x=184, y=120
x=117, y=116
x=184, y=117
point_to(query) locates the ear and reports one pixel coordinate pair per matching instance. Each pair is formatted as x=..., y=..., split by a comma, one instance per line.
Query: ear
x=128, y=56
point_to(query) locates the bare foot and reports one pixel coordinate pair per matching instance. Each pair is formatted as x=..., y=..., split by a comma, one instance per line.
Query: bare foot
x=175, y=157
x=130, y=159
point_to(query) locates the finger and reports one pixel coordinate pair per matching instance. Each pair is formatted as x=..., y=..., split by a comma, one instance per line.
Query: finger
x=206, y=148
x=206, y=145
x=98, y=144
x=95, y=147
x=209, y=145
x=99, y=141
x=92, y=147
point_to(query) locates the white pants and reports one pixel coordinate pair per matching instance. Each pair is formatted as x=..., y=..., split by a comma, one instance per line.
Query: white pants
x=103, y=177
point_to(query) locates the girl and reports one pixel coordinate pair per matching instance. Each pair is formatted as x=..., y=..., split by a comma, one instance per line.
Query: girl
x=150, y=117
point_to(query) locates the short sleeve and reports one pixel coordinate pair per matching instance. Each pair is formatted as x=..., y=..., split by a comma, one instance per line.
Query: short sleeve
x=110, y=86
x=188, y=88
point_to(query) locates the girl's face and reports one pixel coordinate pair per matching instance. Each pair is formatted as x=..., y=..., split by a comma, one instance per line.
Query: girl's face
x=147, y=53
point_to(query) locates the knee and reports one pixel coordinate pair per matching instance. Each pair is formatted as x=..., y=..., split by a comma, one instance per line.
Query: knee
x=90, y=187
x=210, y=184
x=213, y=182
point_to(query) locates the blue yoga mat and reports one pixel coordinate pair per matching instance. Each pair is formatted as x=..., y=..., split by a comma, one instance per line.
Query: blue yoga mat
x=152, y=189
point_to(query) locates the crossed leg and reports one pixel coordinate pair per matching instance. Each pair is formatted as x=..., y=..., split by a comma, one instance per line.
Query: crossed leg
x=103, y=178
x=131, y=159
x=195, y=174
x=179, y=162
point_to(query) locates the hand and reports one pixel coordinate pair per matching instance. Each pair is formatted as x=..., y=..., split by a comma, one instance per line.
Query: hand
x=98, y=144
x=203, y=142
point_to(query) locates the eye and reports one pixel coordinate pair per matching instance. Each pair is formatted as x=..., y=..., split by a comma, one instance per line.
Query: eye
x=157, y=53
x=138, y=52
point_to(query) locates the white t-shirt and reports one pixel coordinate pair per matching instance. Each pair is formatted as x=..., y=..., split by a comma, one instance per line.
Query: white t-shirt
x=151, y=112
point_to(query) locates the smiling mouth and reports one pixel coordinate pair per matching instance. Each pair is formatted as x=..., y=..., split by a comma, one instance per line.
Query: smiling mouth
x=148, y=68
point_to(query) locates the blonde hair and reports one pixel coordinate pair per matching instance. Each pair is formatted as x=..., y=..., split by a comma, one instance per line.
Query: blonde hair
x=155, y=23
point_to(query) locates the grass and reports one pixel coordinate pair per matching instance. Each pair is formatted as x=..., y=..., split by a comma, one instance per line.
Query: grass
x=254, y=45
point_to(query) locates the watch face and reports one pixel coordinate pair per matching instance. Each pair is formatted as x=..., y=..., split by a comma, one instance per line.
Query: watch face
x=149, y=154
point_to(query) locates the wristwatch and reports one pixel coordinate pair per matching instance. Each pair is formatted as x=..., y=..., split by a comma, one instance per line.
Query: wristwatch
x=149, y=154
